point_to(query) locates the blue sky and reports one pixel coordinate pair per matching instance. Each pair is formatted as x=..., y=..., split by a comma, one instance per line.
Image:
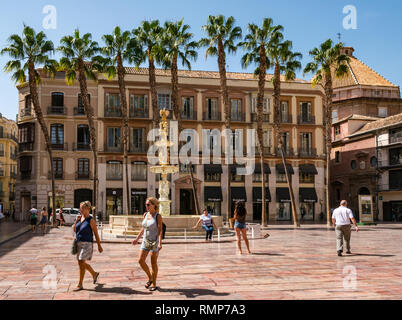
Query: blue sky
x=307, y=23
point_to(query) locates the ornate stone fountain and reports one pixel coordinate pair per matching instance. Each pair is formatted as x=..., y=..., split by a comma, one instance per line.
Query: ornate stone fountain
x=164, y=167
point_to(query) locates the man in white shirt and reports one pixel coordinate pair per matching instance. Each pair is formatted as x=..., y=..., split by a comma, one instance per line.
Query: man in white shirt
x=341, y=218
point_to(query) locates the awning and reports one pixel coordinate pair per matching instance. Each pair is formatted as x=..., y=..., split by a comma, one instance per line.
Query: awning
x=257, y=196
x=139, y=192
x=307, y=195
x=257, y=168
x=282, y=195
x=213, y=194
x=308, y=168
x=281, y=169
x=238, y=194
x=212, y=168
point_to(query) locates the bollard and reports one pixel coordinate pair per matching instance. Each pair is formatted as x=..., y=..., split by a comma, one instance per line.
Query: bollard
x=125, y=233
x=252, y=233
x=219, y=235
x=185, y=234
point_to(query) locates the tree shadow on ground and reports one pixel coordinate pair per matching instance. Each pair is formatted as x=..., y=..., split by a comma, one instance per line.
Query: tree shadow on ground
x=194, y=293
x=122, y=290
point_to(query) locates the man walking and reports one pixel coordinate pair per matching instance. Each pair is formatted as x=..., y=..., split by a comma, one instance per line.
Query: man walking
x=341, y=219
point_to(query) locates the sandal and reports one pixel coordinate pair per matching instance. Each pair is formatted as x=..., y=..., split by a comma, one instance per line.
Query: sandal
x=78, y=288
x=154, y=288
x=148, y=284
x=96, y=277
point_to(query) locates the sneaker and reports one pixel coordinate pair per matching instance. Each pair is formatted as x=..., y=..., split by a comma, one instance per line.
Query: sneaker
x=339, y=253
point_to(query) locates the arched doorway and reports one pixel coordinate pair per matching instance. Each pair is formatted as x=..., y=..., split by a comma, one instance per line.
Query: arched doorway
x=81, y=195
x=364, y=191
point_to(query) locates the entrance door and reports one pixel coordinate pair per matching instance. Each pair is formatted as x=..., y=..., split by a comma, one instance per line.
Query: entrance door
x=81, y=195
x=138, y=203
x=257, y=211
x=187, y=202
x=25, y=206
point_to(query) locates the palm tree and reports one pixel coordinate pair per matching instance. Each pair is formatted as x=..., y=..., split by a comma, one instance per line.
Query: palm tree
x=27, y=53
x=79, y=57
x=327, y=60
x=256, y=43
x=148, y=37
x=120, y=47
x=221, y=36
x=284, y=62
x=176, y=44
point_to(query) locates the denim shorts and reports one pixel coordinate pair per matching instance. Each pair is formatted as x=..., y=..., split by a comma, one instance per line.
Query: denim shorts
x=240, y=225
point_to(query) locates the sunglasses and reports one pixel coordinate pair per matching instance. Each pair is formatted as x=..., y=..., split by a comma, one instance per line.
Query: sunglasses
x=148, y=204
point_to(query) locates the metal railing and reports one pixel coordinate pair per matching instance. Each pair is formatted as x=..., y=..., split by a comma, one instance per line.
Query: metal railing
x=390, y=163
x=265, y=117
x=26, y=146
x=26, y=113
x=118, y=148
x=8, y=136
x=79, y=111
x=211, y=116
x=306, y=120
x=57, y=110
x=395, y=138
x=287, y=119
x=113, y=112
x=237, y=117
x=80, y=146
x=312, y=152
x=57, y=175
x=186, y=116
x=142, y=148
x=143, y=114
x=60, y=146
x=83, y=175
x=288, y=152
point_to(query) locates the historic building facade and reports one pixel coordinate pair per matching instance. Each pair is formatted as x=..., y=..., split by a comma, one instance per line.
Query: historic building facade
x=201, y=108
x=8, y=163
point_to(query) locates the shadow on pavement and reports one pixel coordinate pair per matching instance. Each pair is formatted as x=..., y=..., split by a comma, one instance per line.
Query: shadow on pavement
x=122, y=290
x=194, y=293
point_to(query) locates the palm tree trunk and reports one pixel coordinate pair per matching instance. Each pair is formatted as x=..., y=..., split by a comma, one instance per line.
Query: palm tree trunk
x=89, y=112
x=277, y=125
x=260, y=104
x=122, y=87
x=39, y=115
x=328, y=142
x=225, y=99
x=154, y=96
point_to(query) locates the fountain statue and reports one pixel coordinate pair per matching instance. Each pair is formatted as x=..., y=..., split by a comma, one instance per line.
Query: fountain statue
x=164, y=167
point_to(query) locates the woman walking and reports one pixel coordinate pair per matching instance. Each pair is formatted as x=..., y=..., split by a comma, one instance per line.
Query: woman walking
x=240, y=225
x=207, y=223
x=43, y=219
x=85, y=228
x=34, y=220
x=151, y=242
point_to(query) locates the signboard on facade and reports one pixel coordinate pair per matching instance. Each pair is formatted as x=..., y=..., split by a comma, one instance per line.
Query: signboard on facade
x=366, y=209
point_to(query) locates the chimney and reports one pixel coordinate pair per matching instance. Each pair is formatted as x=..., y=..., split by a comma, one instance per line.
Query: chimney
x=348, y=51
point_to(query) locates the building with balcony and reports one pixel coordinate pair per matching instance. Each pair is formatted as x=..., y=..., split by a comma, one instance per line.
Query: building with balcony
x=8, y=163
x=201, y=108
x=366, y=159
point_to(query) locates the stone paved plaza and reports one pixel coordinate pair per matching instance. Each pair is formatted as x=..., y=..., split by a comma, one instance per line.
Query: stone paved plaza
x=290, y=264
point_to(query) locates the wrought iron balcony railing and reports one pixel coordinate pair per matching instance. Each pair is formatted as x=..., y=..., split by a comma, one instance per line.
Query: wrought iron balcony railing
x=57, y=110
x=81, y=146
x=265, y=117
x=286, y=119
x=306, y=120
x=115, y=148
x=211, y=116
x=287, y=152
x=79, y=111
x=83, y=175
x=141, y=148
x=141, y=113
x=58, y=175
x=312, y=152
x=113, y=113
x=60, y=146
x=26, y=146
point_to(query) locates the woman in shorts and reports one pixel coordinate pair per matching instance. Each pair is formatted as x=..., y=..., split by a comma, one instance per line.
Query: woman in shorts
x=240, y=225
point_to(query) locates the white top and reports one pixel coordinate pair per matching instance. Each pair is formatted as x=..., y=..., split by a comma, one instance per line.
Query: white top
x=206, y=220
x=342, y=216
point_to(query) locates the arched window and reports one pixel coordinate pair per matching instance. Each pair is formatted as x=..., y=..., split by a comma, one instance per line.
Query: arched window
x=373, y=161
x=353, y=164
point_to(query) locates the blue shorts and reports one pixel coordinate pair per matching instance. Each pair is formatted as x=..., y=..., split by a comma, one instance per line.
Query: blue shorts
x=240, y=225
x=155, y=249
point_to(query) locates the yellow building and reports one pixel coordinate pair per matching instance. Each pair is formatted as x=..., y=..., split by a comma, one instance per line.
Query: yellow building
x=8, y=163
